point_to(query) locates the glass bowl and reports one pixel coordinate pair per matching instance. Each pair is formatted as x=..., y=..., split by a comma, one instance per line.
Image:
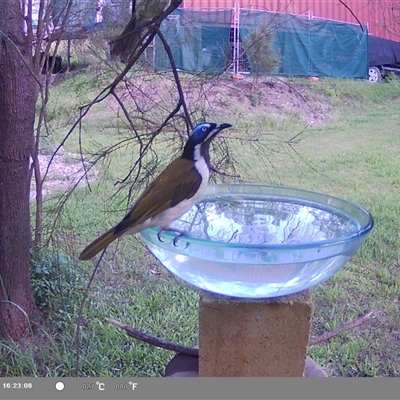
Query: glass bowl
x=255, y=241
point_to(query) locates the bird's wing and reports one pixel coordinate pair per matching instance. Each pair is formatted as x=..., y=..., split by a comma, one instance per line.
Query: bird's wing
x=163, y=193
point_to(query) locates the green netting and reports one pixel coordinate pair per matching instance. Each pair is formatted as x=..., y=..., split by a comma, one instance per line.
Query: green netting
x=312, y=47
x=199, y=41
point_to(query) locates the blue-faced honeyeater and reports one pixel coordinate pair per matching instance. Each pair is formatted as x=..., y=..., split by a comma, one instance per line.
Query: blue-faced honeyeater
x=178, y=187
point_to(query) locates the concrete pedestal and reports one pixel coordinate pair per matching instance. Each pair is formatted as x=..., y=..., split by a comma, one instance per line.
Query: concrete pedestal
x=183, y=366
x=241, y=338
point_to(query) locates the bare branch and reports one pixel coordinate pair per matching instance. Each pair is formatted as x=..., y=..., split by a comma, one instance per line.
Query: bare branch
x=190, y=351
x=153, y=136
x=345, y=327
x=165, y=344
x=128, y=118
x=352, y=13
x=177, y=80
x=100, y=97
x=217, y=171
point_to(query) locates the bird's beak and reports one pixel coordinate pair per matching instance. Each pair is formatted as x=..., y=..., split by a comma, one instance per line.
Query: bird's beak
x=223, y=126
x=216, y=131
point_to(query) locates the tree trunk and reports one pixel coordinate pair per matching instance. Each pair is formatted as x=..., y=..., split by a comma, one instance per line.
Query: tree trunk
x=18, y=96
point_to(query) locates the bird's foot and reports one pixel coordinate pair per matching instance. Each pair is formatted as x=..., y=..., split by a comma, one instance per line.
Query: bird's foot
x=176, y=239
x=159, y=234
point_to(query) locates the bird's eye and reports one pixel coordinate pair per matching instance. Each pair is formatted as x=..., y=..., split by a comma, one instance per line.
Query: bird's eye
x=203, y=129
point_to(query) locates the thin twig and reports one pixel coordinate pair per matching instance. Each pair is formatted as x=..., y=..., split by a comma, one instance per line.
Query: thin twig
x=168, y=50
x=128, y=118
x=82, y=158
x=352, y=13
x=100, y=97
x=145, y=148
x=217, y=171
x=345, y=327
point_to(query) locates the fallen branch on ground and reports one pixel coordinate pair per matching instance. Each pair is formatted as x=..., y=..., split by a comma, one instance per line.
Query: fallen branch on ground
x=345, y=327
x=155, y=341
x=190, y=351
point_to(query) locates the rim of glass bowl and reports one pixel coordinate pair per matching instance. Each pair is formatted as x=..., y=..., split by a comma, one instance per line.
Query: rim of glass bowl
x=303, y=196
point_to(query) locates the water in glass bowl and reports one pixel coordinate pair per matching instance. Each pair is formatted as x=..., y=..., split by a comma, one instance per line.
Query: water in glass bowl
x=252, y=241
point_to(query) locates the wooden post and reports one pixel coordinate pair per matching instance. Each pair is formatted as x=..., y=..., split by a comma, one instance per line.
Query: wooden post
x=244, y=338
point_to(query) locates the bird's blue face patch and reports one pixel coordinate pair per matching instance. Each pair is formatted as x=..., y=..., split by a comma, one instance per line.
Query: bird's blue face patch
x=202, y=131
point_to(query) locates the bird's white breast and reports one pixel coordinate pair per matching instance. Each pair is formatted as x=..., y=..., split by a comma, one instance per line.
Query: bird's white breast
x=201, y=166
x=164, y=219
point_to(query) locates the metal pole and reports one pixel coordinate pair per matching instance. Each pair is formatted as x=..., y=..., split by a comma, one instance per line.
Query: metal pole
x=236, y=39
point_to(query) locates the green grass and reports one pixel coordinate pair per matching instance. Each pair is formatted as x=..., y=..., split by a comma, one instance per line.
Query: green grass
x=354, y=155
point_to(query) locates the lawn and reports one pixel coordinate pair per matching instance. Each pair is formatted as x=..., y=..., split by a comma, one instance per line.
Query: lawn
x=339, y=137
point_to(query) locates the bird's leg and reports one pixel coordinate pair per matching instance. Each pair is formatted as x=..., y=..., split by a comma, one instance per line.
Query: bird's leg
x=175, y=241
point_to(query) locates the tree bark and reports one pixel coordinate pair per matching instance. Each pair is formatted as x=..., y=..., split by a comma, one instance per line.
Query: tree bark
x=18, y=96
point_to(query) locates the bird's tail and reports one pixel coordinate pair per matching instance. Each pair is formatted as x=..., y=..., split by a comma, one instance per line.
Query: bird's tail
x=99, y=244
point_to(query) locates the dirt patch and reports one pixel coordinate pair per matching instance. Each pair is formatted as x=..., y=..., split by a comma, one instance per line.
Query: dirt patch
x=64, y=172
x=277, y=97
